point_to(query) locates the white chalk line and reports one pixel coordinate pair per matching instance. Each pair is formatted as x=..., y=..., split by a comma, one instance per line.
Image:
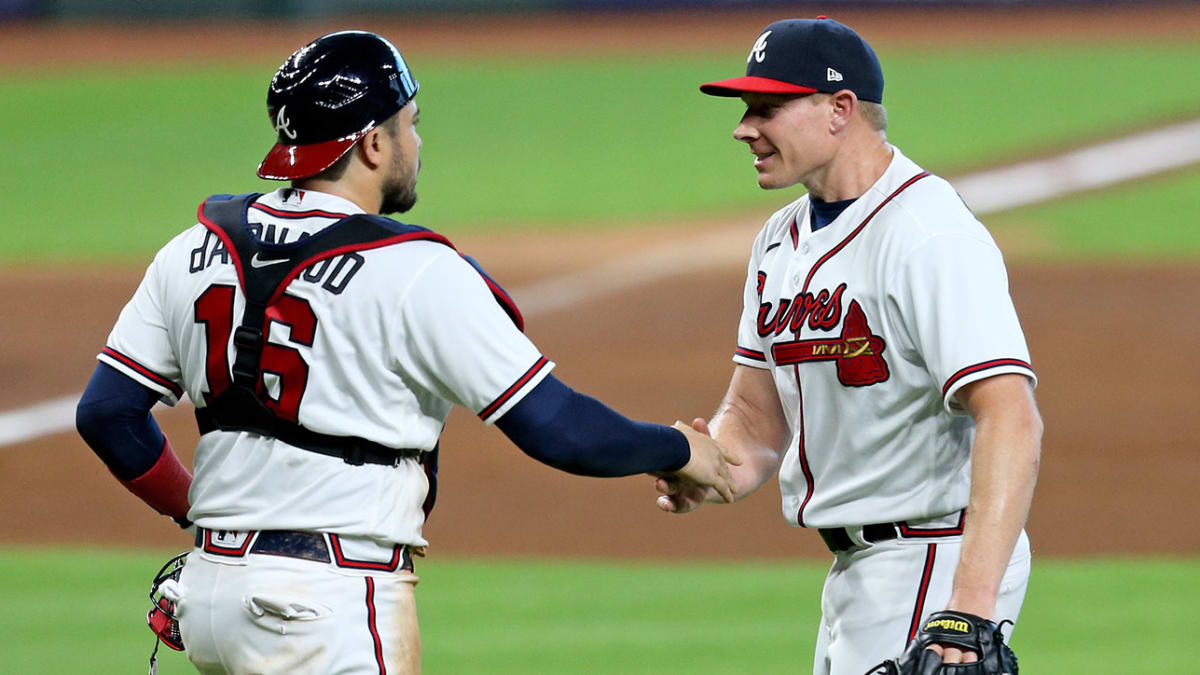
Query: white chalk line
x=1087, y=168
x=39, y=419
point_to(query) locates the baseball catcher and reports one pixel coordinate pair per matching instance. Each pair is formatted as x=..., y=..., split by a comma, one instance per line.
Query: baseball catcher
x=317, y=462
x=954, y=629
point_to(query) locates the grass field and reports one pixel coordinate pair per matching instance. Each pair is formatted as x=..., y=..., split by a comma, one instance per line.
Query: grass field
x=1148, y=219
x=114, y=162
x=82, y=612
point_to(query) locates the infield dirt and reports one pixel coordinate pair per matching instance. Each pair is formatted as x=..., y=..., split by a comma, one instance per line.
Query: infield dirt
x=1110, y=344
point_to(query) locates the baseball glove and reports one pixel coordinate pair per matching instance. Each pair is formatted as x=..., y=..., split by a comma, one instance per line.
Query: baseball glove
x=954, y=629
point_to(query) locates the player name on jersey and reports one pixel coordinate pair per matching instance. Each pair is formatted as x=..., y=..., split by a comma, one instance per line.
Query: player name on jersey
x=333, y=274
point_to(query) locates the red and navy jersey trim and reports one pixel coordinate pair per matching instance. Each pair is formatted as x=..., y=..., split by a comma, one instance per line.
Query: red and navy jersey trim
x=405, y=233
x=801, y=452
x=922, y=590
x=296, y=215
x=751, y=354
x=986, y=365
x=372, y=628
x=808, y=477
x=919, y=533
x=381, y=566
x=143, y=371
x=833, y=251
x=511, y=391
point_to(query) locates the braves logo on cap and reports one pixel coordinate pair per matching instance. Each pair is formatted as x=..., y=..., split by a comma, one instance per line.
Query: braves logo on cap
x=803, y=52
x=283, y=124
x=759, y=51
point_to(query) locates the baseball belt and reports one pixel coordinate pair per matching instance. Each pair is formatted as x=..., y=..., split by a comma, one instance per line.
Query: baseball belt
x=304, y=546
x=838, y=540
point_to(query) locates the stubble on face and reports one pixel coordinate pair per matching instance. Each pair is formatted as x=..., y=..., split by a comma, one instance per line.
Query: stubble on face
x=400, y=190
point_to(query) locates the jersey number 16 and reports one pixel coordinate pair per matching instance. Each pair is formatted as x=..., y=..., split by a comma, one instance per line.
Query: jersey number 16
x=214, y=310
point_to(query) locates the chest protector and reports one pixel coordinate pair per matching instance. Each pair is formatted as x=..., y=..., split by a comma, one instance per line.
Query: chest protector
x=241, y=407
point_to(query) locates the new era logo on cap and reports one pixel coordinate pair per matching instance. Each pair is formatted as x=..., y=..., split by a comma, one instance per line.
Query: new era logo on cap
x=804, y=53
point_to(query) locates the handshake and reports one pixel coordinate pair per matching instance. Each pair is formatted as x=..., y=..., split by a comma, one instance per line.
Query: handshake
x=706, y=477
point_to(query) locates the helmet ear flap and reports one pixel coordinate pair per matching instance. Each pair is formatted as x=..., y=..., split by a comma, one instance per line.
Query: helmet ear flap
x=164, y=596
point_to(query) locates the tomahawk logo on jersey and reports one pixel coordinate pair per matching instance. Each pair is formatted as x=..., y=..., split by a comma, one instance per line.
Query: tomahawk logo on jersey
x=857, y=353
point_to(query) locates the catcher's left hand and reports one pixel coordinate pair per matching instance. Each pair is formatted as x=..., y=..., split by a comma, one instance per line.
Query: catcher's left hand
x=953, y=629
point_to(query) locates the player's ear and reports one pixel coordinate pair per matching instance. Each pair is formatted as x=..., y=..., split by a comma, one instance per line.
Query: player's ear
x=372, y=148
x=843, y=105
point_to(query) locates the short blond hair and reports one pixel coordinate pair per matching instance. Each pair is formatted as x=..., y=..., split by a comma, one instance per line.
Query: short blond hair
x=875, y=115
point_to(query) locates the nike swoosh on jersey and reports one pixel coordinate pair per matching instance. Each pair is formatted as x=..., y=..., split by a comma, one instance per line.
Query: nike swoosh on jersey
x=258, y=262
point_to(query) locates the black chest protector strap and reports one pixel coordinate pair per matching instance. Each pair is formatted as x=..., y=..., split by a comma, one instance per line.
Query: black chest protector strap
x=264, y=270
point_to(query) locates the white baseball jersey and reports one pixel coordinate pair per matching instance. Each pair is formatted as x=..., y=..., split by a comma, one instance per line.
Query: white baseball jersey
x=870, y=326
x=377, y=344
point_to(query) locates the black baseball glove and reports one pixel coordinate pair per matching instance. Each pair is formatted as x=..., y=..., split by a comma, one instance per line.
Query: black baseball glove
x=954, y=629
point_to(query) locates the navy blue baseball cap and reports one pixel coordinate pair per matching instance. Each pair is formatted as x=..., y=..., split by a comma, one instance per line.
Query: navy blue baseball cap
x=805, y=56
x=328, y=95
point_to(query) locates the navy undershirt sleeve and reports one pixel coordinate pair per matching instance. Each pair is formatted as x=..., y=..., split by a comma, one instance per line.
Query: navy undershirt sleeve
x=576, y=433
x=114, y=419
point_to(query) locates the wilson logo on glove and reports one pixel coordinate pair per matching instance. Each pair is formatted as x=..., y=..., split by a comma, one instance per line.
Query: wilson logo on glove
x=949, y=624
x=954, y=629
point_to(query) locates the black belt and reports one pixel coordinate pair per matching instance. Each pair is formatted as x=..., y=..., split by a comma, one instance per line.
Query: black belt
x=303, y=545
x=838, y=540
x=350, y=449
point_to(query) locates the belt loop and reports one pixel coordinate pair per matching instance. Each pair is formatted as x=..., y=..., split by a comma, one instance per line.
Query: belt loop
x=354, y=455
x=856, y=535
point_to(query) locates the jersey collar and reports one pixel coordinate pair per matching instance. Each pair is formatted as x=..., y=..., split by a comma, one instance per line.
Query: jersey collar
x=293, y=199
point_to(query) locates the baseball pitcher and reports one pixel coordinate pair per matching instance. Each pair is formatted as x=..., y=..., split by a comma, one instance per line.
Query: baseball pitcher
x=880, y=370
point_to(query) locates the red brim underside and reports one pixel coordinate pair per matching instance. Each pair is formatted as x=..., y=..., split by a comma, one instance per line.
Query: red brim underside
x=761, y=85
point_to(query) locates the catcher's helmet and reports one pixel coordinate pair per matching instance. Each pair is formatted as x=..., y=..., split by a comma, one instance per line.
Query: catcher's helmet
x=164, y=598
x=329, y=94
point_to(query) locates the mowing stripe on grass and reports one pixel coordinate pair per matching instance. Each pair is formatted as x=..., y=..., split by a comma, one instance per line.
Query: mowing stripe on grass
x=1086, y=168
x=39, y=419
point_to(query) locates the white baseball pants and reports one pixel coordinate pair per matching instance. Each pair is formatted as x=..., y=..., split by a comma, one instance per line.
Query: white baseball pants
x=875, y=599
x=270, y=614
